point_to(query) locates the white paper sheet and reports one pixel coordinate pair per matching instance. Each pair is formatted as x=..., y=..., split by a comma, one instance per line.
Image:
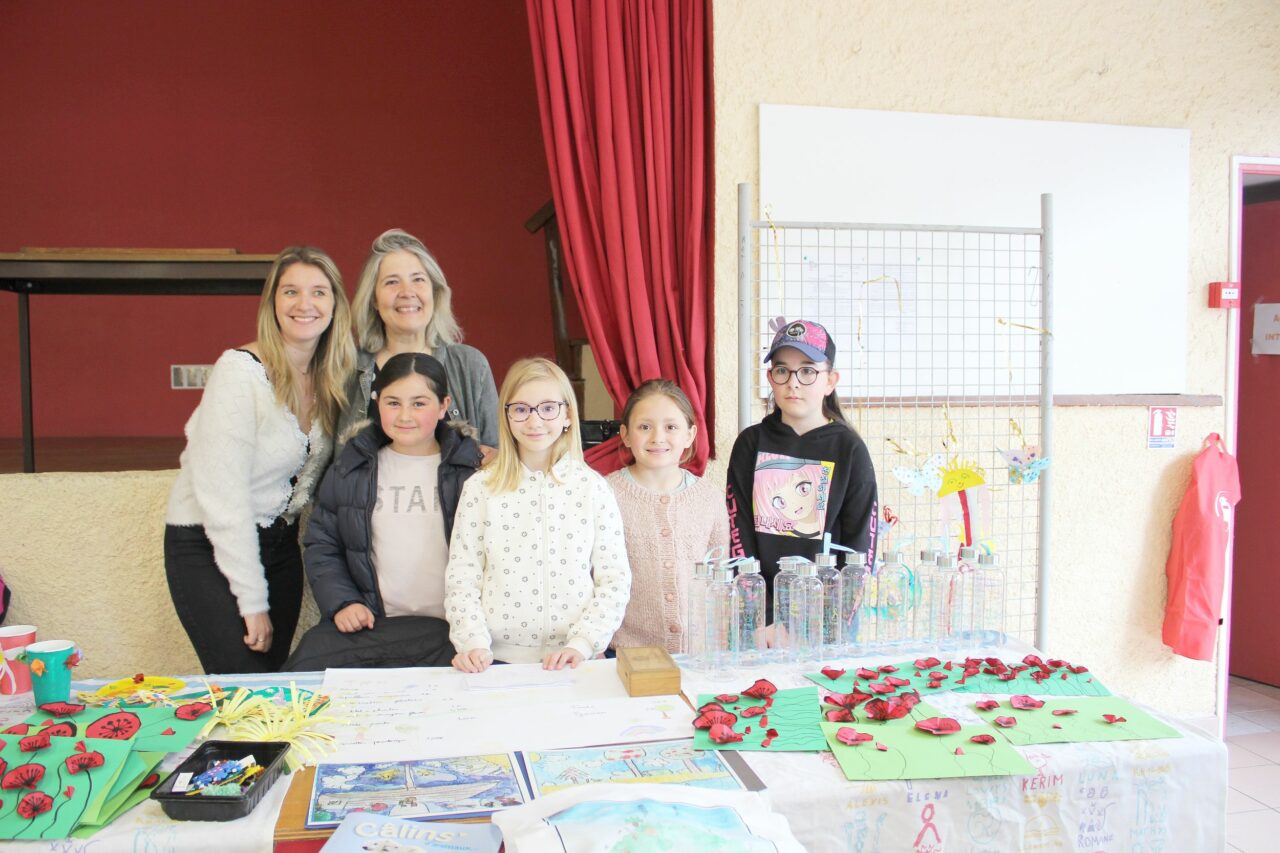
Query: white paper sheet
x=518, y=678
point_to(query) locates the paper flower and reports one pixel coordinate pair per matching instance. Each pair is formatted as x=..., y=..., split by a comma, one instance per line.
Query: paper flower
x=939, y=676
x=839, y=715
x=762, y=689
x=851, y=737
x=881, y=687
x=22, y=776
x=888, y=667
x=710, y=706
x=868, y=674
x=714, y=717
x=1112, y=718
x=37, y=668
x=1005, y=722
x=893, y=708
x=1025, y=703
x=986, y=705
x=1063, y=712
x=150, y=782
x=34, y=743
x=34, y=804
x=938, y=725
x=754, y=711
x=196, y=710
x=121, y=725
x=896, y=682
x=727, y=698
x=73, y=660
x=17, y=729
x=852, y=699
x=61, y=709
x=832, y=673
x=64, y=728
x=721, y=733
x=84, y=761
x=926, y=663
x=983, y=739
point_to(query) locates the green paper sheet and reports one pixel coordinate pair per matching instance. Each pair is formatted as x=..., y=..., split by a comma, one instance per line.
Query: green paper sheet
x=1081, y=684
x=153, y=723
x=136, y=768
x=794, y=713
x=916, y=754
x=1085, y=726
x=87, y=789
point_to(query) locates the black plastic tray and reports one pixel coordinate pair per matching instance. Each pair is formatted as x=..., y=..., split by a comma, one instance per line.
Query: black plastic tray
x=269, y=754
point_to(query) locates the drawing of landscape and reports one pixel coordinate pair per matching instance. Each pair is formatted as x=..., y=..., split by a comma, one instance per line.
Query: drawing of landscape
x=427, y=789
x=673, y=761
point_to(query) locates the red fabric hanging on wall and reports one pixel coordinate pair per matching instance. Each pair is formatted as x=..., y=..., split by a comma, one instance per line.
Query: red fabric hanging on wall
x=624, y=94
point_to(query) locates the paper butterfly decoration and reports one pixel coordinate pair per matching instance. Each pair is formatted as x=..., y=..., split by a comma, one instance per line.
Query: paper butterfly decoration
x=1025, y=465
x=927, y=476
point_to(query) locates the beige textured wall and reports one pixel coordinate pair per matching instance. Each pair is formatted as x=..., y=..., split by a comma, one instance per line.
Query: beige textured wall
x=84, y=556
x=1212, y=67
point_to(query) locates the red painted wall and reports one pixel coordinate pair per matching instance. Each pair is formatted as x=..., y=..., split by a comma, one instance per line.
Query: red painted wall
x=254, y=125
x=1256, y=576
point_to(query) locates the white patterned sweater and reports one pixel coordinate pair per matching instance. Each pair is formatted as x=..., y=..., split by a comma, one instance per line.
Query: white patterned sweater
x=243, y=451
x=537, y=569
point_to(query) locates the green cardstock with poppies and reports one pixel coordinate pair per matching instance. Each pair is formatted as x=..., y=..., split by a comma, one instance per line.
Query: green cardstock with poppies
x=792, y=716
x=137, y=775
x=46, y=789
x=148, y=728
x=1080, y=720
x=1061, y=682
x=897, y=749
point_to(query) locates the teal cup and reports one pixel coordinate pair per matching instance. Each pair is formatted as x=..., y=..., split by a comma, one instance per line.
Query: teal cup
x=51, y=663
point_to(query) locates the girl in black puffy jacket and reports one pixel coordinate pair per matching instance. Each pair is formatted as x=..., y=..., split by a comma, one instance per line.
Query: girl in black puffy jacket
x=377, y=544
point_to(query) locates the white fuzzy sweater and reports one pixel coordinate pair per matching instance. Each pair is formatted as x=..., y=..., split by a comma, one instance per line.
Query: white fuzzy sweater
x=537, y=569
x=243, y=450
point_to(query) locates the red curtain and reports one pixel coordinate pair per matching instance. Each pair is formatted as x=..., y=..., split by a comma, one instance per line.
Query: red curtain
x=624, y=93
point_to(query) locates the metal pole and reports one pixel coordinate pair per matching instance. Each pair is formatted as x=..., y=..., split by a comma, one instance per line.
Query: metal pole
x=746, y=348
x=24, y=374
x=1046, y=415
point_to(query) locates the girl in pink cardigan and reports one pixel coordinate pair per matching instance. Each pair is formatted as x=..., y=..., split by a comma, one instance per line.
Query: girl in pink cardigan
x=670, y=517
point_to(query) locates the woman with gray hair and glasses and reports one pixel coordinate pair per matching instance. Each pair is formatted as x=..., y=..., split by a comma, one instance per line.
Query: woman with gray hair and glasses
x=403, y=304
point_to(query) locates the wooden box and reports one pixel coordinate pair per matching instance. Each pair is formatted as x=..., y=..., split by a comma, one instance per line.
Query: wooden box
x=648, y=671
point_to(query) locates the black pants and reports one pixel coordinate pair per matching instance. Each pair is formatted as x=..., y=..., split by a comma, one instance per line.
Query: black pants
x=209, y=612
x=393, y=641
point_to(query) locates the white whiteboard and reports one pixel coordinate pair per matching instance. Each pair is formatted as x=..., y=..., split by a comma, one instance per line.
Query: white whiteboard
x=1121, y=210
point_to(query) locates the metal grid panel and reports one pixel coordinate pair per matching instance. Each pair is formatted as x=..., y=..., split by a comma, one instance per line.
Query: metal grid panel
x=939, y=335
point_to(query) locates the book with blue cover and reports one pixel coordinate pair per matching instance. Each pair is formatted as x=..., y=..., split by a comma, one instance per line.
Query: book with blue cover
x=365, y=832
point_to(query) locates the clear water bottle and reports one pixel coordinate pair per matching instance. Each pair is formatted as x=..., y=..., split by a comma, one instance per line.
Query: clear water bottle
x=832, y=598
x=784, y=583
x=991, y=589
x=893, y=603
x=722, y=619
x=806, y=613
x=957, y=583
x=853, y=579
x=751, y=612
x=968, y=564
x=694, y=629
x=924, y=582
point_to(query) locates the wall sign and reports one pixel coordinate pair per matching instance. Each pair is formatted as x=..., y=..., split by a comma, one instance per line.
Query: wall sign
x=1266, y=328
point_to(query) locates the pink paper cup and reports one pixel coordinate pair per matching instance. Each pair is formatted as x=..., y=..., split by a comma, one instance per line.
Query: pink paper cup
x=15, y=676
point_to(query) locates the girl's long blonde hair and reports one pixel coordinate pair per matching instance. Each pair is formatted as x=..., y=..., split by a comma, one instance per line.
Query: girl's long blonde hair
x=504, y=469
x=335, y=357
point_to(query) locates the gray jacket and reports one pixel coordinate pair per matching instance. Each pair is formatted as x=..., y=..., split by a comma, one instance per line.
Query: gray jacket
x=475, y=397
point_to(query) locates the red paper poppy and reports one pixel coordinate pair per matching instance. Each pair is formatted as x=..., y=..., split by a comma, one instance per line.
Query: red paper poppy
x=887, y=668
x=80, y=747
x=970, y=671
x=65, y=728
x=121, y=725
x=713, y=717
x=882, y=747
x=1078, y=669
x=22, y=776
x=868, y=674
x=983, y=738
x=934, y=684
x=986, y=705
x=926, y=663
x=766, y=743
x=34, y=804
x=196, y=710
x=1063, y=712
x=710, y=706
x=1033, y=660
x=938, y=725
x=723, y=734
x=727, y=697
x=762, y=689
x=61, y=709
x=84, y=761
x=840, y=715
x=1005, y=722
x=880, y=709
x=851, y=737
x=1112, y=718
x=832, y=673
x=993, y=661
x=150, y=781
x=1057, y=663
x=1039, y=676
x=772, y=733
x=938, y=676
x=1025, y=703
x=909, y=699
x=1007, y=676
x=68, y=792
x=72, y=661
x=947, y=666
x=17, y=729
x=881, y=687
x=897, y=682
x=34, y=743
x=754, y=711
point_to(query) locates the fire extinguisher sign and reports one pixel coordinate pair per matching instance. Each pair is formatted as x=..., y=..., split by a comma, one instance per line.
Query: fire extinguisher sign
x=1162, y=426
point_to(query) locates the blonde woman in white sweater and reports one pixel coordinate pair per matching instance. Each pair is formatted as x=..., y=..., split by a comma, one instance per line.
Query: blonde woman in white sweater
x=537, y=564
x=671, y=517
x=257, y=445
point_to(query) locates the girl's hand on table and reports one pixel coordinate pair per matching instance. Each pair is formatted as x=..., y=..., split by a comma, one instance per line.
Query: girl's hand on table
x=565, y=657
x=476, y=660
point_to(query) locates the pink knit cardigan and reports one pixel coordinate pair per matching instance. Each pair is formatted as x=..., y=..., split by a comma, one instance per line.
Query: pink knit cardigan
x=665, y=535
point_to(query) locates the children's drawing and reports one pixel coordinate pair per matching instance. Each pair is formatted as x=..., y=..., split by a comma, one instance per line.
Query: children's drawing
x=1025, y=464
x=672, y=761
x=653, y=825
x=782, y=721
x=45, y=790
x=927, y=477
x=469, y=785
x=966, y=503
x=789, y=496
